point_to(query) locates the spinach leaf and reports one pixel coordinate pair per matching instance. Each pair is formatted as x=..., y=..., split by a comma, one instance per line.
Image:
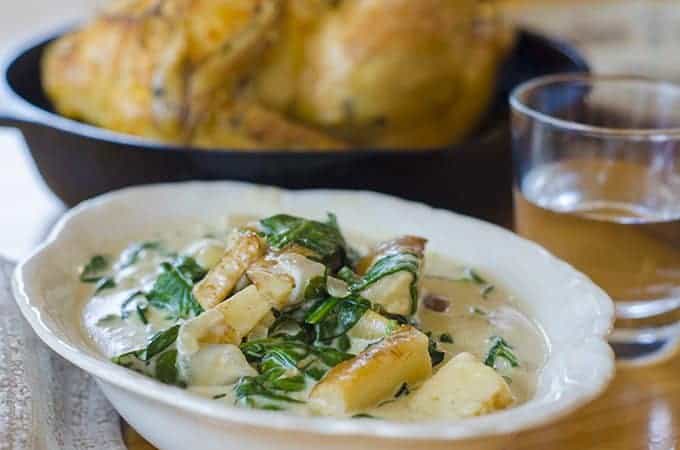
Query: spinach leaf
x=348, y=276
x=172, y=291
x=385, y=266
x=166, y=362
x=129, y=360
x=315, y=289
x=318, y=358
x=322, y=309
x=166, y=368
x=333, y=317
x=131, y=254
x=95, y=269
x=252, y=392
x=330, y=356
x=325, y=239
x=159, y=342
x=256, y=350
x=190, y=269
x=279, y=374
x=500, y=349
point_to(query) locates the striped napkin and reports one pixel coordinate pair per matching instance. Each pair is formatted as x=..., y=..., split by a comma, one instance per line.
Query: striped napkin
x=45, y=402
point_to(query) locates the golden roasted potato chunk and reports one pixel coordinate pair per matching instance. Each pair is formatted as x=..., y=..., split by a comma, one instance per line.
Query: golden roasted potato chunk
x=374, y=375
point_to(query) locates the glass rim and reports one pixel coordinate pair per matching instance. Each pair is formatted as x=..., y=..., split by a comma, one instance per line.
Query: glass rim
x=656, y=134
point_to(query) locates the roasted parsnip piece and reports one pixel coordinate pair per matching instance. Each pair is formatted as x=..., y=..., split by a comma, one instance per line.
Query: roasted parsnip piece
x=207, y=328
x=375, y=374
x=207, y=352
x=244, y=247
x=283, y=277
x=464, y=387
x=390, y=275
x=244, y=310
x=276, y=287
x=372, y=326
x=216, y=365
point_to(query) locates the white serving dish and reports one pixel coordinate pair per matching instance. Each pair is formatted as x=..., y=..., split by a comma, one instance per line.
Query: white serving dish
x=575, y=315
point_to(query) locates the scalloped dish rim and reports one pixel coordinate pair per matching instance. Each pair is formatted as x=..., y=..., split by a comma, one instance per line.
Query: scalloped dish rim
x=573, y=379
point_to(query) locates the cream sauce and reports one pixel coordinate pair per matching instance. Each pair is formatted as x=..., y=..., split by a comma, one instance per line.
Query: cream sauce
x=475, y=313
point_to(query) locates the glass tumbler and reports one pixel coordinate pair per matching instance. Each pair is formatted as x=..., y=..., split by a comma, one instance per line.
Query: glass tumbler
x=597, y=183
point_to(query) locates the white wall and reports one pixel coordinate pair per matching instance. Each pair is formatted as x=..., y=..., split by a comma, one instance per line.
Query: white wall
x=20, y=18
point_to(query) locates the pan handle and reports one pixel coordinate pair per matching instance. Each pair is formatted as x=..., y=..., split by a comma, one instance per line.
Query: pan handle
x=14, y=112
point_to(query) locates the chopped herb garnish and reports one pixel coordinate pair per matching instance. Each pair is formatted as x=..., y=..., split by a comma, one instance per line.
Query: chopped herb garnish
x=436, y=355
x=507, y=379
x=131, y=254
x=478, y=311
x=108, y=318
x=500, y=349
x=446, y=338
x=95, y=269
x=126, y=307
x=219, y=396
x=470, y=275
x=487, y=290
x=141, y=313
x=363, y=416
x=103, y=284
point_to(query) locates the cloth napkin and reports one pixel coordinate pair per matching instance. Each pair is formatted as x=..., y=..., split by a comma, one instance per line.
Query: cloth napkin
x=45, y=402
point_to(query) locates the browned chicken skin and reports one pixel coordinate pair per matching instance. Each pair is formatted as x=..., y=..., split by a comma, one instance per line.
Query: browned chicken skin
x=280, y=74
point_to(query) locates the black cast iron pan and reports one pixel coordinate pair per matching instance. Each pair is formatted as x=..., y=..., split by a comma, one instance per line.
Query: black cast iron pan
x=78, y=161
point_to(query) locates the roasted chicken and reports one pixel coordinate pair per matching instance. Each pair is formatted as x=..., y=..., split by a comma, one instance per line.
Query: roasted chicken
x=281, y=74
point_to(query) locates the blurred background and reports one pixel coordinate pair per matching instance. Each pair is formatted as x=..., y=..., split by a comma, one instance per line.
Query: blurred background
x=615, y=36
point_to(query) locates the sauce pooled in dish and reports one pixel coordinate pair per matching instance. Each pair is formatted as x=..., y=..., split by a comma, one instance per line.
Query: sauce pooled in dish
x=285, y=314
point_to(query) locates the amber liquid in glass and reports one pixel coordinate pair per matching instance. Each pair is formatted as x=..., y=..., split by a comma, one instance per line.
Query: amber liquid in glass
x=630, y=246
